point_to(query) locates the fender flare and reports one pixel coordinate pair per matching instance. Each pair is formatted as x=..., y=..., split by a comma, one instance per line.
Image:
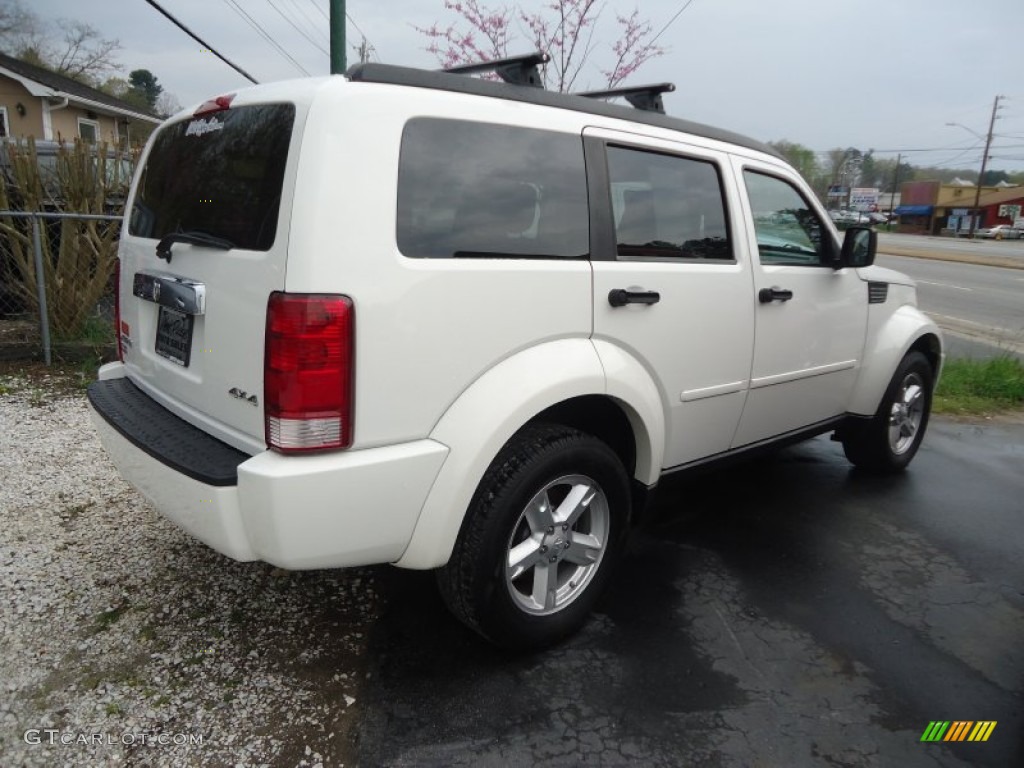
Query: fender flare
x=888, y=343
x=492, y=409
x=630, y=385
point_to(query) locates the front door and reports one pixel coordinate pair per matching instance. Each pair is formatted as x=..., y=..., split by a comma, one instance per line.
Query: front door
x=672, y=283
x=811, y=318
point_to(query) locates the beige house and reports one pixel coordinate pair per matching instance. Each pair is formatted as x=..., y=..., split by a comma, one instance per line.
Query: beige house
x=42, y=104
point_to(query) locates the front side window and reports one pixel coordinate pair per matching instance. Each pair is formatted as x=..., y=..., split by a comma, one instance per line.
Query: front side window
x=476, y=190
x=667, y=206
x=218, y=175
x=788, y=230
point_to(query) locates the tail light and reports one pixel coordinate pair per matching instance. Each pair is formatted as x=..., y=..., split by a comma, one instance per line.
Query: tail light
x=308, y=374
x=119, y=331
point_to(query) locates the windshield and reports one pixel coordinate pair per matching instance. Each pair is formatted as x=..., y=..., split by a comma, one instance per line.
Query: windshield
x=220, y=175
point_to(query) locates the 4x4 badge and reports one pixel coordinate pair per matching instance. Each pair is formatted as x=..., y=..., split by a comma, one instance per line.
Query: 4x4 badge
x=237, y=393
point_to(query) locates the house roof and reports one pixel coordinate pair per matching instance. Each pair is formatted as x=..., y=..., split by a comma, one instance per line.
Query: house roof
x=43, y=82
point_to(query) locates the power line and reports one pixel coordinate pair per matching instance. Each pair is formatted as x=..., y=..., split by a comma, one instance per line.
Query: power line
x=928, y=149
x=312, y=24
x=263, y=33
x=295, y=26
x=671, y=21
x=319, y=9
x=353, y=21
x=205, y=44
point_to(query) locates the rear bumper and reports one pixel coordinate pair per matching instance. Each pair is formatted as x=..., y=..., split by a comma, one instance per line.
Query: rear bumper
x=320, y=511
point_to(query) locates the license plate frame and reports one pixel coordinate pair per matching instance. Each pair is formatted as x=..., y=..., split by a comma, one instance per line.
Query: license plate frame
x=174, y=335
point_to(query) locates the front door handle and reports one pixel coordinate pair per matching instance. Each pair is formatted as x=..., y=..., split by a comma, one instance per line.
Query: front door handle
x=620, y=297
x=768, y=295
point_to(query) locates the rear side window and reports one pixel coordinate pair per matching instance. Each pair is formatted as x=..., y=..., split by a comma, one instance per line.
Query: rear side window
x=220, y=175
x=470, y=189
x=667, y=207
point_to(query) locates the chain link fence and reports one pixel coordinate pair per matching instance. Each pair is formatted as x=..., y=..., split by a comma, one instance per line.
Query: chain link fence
x=57, y=285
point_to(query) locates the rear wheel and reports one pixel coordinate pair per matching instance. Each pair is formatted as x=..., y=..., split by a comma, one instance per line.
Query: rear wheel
x=888, y=442
x=540, y=538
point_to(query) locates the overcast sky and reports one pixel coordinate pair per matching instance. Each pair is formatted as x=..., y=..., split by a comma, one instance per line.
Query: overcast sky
x=881, y=74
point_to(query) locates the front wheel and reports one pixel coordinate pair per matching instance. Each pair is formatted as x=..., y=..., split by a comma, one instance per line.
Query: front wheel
x=888, y=442
x=540, y=538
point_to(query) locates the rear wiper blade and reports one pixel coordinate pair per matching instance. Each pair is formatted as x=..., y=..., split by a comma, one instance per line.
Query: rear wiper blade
x=192, y=237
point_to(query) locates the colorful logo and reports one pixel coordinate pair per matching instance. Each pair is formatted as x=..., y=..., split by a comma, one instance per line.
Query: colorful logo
x=958, y=730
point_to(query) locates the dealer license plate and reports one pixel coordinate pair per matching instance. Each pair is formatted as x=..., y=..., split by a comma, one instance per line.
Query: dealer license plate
x=174, y=335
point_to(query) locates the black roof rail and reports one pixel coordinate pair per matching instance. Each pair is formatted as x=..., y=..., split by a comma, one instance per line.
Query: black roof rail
x=371, y=72
x=517, y=70
x=645, y=97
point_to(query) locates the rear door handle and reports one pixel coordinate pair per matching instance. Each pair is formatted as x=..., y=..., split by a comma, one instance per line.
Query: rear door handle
x=768, y=295
x=620, y=297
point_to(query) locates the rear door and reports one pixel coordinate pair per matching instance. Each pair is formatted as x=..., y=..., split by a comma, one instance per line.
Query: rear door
x=212, y=192
x=672, y=283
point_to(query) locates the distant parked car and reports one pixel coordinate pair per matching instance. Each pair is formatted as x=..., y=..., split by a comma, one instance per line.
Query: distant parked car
x=1001, y=232
x=848, y=217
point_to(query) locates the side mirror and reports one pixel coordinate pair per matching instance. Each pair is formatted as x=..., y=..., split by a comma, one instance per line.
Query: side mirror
x=859, y=247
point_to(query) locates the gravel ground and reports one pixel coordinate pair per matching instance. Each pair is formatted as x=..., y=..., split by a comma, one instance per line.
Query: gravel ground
x=125, y=642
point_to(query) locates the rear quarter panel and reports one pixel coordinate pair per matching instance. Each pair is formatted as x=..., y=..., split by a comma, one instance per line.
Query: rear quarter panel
x=426, y=329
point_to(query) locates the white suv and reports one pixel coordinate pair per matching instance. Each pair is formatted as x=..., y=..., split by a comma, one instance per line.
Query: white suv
x=432, y=320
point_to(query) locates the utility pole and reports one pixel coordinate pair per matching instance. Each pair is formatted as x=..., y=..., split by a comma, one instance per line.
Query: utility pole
x=892, y=198
x=984, y=163
x=363, y=51
x=337, y=37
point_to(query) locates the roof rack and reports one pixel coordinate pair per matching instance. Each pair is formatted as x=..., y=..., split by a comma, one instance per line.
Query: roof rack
x=517, y=70
x=439, y=80
x=645, y=97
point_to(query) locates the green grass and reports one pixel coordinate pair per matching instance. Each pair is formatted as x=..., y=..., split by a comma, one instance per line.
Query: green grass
x=980, y=386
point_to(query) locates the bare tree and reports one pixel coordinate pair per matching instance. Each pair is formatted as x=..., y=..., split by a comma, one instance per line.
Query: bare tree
x=167, y=104
x=458, y=42
x=21, y=30
x=565, y=29
x=68, y=47
x=84, y=54
x=15, y=20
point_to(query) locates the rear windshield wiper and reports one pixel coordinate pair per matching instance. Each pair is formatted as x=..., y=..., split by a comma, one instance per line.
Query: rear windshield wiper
x=192, y=237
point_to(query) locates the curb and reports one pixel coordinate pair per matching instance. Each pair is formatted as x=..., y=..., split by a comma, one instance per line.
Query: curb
x=1005, y=262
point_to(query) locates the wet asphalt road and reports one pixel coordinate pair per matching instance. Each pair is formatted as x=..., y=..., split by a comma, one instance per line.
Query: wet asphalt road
x=786, y=612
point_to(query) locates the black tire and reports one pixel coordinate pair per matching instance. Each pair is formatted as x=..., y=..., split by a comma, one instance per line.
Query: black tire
x=481, y=587
x=887, y=442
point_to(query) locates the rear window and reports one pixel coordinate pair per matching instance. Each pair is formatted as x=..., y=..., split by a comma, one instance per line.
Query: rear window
x=220, y=175
x=470, y=189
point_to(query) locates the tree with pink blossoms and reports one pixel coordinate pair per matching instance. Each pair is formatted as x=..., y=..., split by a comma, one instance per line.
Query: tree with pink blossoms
x=565, y=29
